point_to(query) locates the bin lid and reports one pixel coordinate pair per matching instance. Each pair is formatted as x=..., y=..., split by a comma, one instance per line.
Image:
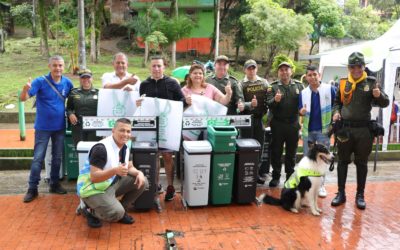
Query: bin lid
x=197, y=146
x=85, y=146
x=247, y=144
x=222, y=130
x=145, y=146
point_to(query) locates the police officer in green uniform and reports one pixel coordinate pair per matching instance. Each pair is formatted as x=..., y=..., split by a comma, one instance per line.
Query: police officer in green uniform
x=221, y=78
x=356, y=95
x=254, y=89
x=282, y=100
x=82, y=101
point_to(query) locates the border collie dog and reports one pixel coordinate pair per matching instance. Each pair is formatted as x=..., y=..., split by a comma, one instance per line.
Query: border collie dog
x=302, y=186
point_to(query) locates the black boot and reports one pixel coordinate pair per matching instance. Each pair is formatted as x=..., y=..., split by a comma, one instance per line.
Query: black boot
x=339, y=199
x=360, y=202
x=56, y=188
x=30, y=195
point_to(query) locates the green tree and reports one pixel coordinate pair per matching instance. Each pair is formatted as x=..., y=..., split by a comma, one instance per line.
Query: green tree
x=175, y=29
x=144, y=26
x=391, y=8
x=274, y=28
x=22, y=15
x=363, y=23
x=234, y=27
x=328, y=21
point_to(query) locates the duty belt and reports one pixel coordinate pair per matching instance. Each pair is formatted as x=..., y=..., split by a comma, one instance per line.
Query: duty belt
x=355, y=124
x=285, y=120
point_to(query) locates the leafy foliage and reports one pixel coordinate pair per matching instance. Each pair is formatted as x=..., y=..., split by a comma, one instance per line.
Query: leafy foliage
x=22, y=15
x=176, y=28
x=280, y=59
x=274, y=28
x=362, y=23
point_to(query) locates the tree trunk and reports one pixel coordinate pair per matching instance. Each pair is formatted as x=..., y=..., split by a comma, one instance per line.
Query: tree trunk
x=81, y=38
x=146, y=53
x=237, y=55
x=174, y=12
x=43, y=26
x=273, y=51
x=93, y=48
x=34, y=34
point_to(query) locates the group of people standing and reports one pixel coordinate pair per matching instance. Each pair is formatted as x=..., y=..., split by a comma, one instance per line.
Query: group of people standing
x=109, y=171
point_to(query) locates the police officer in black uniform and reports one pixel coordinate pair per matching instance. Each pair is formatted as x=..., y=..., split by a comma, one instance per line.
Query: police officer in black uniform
x=82, y=101
x=353, y=103
x=282, y=100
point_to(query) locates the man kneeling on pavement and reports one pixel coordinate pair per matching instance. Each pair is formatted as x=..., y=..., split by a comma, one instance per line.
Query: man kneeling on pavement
x=107, y=174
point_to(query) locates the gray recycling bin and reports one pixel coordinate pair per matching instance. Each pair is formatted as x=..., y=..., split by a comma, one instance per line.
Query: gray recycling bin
x=245, y=180
x=197, y=159
x=144, y=157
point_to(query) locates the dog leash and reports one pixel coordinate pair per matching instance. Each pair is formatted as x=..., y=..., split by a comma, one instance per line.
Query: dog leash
x=332, y=166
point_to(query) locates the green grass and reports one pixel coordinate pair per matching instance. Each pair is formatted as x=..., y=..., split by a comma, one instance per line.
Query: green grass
x=22, y=60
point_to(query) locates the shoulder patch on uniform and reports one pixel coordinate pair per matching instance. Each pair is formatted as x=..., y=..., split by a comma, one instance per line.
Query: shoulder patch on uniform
x=269, y=89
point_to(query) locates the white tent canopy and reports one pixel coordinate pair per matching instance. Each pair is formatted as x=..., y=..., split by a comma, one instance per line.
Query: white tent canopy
x=384, y=49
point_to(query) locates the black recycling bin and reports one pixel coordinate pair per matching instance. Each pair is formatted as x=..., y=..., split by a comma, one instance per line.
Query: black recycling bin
x=144, y=157
x=247, y=159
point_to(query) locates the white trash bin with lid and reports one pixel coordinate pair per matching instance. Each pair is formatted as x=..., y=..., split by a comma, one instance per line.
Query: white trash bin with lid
x=197, y=160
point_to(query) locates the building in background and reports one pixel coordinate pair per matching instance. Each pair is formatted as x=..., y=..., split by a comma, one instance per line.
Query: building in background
x=201, y=11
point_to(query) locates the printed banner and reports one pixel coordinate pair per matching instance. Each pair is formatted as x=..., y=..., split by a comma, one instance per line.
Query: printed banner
x=202, y=106
x=116, y=103
x=169, y=121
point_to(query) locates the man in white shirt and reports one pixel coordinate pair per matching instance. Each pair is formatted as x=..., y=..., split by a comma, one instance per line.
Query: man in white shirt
x=120, y=78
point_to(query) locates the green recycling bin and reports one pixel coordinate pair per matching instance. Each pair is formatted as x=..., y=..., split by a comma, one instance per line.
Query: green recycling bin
x=222, y=139
x=70, y=157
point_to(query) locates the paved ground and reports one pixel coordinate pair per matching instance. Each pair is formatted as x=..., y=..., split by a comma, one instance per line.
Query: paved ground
x=50, y=221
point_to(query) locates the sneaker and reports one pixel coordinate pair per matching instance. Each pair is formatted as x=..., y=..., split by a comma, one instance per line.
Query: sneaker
x=30, y=195
x=57, y=189
x=127, y=219
x=169, y=195
x=322, y=192
x=160, y=189
x=92, y=221
x=274, y=183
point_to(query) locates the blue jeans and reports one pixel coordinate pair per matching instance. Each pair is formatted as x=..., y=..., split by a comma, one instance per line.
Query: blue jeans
x=42, y=138
x=315, y=136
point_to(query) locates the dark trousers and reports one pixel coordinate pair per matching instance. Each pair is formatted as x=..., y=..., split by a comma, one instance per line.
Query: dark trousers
x=257, y=132
x=360, y=143
x=288, y=135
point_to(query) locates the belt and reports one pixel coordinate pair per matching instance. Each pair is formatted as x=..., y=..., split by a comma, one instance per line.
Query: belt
x=355, y=124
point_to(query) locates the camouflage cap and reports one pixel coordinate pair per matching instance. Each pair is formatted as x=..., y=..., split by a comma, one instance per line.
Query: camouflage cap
x=250, y=63
x=284, y=64
x=356, y=58
x=85, y=73
x=222, y=58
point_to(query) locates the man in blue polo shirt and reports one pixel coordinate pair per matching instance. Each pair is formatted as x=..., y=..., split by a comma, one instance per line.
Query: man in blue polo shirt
x=51, y=91
x=315, y=105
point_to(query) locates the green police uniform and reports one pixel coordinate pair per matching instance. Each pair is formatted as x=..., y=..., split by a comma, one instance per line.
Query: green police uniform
x=355, y=118
x=355, y=136
x=250, y=89
x=237, y=94
x=82, y=103
x=284, y=126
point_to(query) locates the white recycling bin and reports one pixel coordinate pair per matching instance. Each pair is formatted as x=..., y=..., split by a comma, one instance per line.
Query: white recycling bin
x=83, y=148
x=197, y=160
